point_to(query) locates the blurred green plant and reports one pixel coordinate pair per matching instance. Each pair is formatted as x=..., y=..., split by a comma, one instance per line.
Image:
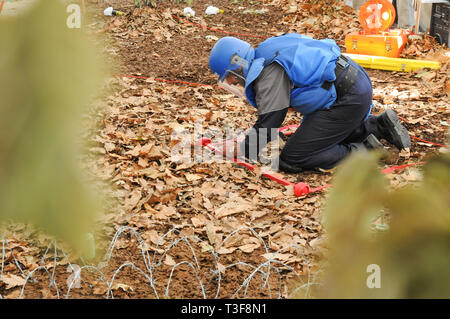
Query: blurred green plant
x=413, y=255
x=48, y=73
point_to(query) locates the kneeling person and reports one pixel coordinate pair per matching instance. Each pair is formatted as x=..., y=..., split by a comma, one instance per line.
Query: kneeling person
x=331, y=91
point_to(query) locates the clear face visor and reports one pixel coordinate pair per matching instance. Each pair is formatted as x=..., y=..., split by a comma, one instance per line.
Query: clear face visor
x=234, y=83
x=233, y=79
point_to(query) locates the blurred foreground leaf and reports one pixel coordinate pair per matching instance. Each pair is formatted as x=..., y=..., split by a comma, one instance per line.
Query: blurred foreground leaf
x=413, y=255
x=47, y=74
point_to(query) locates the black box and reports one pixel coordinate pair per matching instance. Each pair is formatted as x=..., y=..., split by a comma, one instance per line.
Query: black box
x=439, y=26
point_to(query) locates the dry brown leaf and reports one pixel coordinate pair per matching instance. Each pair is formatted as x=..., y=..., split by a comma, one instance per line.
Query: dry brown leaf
x=135, y=151
x=166, y=212
x=151, y=172
x=169, y=261
x=283, y=236
x=13, y=295
x=12, y=281
x=142, y=162
x=258, y=214
x=235, y=205
x=109, y=147
x=248, y=248
x=192, y=177
x=155, y=153
x=199, y=221
x=123, y=287
x=281, y=257
x=100, y=290
x=207, y=204
x=152, y=236
x=271, y=193
x=131, y=201
x=254, y=187
x=211, y=233
x=225, y=251
x=221, y=268
x=206, y=247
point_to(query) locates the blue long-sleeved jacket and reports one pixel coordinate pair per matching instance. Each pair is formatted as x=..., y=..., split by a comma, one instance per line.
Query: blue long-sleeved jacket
x=307, y=62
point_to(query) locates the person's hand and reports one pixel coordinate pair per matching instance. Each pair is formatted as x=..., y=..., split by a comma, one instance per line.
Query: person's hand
x=231, y=149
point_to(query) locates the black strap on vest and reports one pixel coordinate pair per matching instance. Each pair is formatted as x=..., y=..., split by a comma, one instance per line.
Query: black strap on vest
x=269, y=61
x=343, y=84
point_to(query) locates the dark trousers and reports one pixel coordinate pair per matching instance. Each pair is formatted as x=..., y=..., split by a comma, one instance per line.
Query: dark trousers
x=327, y=136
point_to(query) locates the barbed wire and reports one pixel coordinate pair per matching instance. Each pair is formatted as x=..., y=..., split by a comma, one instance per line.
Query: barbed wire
x=272, y=268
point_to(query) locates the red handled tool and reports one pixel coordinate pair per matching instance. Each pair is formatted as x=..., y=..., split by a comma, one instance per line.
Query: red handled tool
x=300, y=189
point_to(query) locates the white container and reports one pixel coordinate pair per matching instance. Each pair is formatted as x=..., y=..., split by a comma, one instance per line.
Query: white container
x=211, y=10
x=111, y=12
x=108, y=11
x=189, y=12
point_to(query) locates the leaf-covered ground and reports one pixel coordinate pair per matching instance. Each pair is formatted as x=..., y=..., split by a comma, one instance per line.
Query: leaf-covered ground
x=129, y=142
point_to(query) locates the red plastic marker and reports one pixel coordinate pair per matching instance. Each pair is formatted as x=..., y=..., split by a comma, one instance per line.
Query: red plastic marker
x=300, y=189
x=391, y=169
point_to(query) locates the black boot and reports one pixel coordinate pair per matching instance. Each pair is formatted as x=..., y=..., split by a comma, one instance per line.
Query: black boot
x=392, y=131
x=372, y=143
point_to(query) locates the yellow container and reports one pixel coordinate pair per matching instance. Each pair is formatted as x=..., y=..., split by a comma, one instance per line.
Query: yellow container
x=392, y=64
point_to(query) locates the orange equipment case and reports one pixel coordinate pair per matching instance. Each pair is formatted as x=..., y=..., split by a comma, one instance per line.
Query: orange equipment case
x=376, y=16
x=388, y=44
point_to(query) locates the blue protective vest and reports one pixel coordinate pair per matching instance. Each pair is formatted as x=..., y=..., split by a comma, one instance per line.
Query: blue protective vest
x=307, y=62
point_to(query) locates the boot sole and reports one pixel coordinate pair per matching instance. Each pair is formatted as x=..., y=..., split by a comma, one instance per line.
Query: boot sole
x=400, y=136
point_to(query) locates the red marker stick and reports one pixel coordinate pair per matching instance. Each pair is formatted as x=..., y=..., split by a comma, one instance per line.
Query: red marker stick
x=300, y=189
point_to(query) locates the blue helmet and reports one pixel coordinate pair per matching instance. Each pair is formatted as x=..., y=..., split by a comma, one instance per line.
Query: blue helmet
x=220, y=58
